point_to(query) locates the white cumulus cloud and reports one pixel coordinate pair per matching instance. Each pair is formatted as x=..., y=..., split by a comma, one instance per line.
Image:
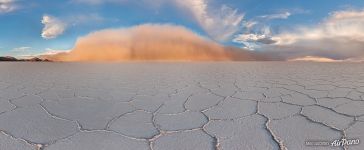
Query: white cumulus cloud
x=341, y=24
x=340, y=37
x=253, y=40
x=53, y=27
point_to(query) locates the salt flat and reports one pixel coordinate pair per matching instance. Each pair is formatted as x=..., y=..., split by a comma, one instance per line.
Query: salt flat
x=181, y=106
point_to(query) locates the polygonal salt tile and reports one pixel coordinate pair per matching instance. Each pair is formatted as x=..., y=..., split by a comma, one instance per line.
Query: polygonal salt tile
x=271, y=99
x=277, y=110
x=89, y=92
x=292, y=87
x=243, y=133
x=232, y=108
x=327, y=117
x=192, y=89
x=35, y=125
x=9, y=143
x=202, y=101
x=148, y=91
x=182, y=121
x=294, y=131
x=175, y=104
x=284, y=81
x=11, y=93
x=354, y=108
x=332, y=102
x=87, y=111
x=136, y=124
x=4, y=85
x=166, y=90
x=360, y=89
x=247, y=84
x=339, y=92
x=298, y=99
x=27, y=100
x=263, y=84
x=99, y=140
x=252, y=89
x=224, y=91
x=315, y=93
x=276, y=92
x=209, y=85
x=65, y=93
x=322, y=87
x=149, y=103
x=257, y=96
x=187, y=140
x=355, y=95
x=49, y=95
x=361, y=118
x=345, y=83
x=121, y=95
x=5, y=106
x=33, y=90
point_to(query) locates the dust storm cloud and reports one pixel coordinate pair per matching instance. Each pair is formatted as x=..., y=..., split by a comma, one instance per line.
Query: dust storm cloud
x=150, y=42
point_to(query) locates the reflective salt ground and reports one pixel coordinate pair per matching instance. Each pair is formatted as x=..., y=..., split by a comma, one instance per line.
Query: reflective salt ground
x=226, y=105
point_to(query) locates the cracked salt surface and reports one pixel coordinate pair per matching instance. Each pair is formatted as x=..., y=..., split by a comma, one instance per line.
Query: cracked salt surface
x=96, y=140
x=226, y=106
x=35, y=125
x=186, y=140
x=232, y=108
x=138, y=124
x=182, y=121
x=9, y=143
x=89, y=113
x=327, y=117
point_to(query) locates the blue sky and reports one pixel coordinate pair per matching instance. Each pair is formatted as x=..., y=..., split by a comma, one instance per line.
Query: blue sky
x=21, y=26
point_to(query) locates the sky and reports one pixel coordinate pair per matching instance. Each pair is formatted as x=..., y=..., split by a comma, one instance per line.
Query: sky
x=289, y=29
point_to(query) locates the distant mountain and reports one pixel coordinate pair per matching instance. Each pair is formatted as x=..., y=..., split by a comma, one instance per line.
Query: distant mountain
x=8, y=58
x=34, y=59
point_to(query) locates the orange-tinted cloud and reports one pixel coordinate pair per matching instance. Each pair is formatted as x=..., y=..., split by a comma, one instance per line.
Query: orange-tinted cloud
x=314, y=59
x=149, y=42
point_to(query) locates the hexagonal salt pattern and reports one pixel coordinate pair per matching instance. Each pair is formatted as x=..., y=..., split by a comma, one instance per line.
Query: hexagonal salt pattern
x=202, y=106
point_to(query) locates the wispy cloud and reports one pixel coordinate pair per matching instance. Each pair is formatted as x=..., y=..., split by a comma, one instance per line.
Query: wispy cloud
x=220, y=23
x=283, y=15
x=7, y=6
x=21, y=49
x=314, y=59
x=50, y=51
x=80, y=19
x=53, y=27
x=97, y=2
